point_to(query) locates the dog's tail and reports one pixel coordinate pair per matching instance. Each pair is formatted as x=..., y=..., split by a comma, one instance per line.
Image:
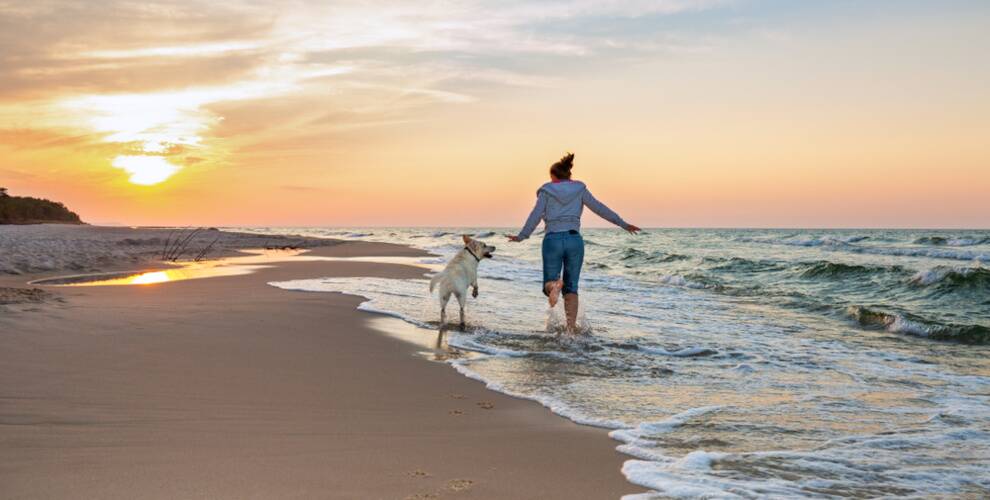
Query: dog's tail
x=434, y=280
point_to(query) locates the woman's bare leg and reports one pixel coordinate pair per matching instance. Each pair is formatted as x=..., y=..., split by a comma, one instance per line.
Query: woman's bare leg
x=571, y=310
x=553, y=289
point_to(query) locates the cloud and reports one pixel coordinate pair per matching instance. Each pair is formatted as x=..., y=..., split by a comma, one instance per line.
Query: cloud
x=192, y=79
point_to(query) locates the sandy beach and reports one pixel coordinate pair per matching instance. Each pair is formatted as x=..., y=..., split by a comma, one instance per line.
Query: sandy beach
x=229, y=388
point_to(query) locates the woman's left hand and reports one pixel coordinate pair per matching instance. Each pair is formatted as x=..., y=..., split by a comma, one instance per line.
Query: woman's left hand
x=513, y=237
x=633, y=229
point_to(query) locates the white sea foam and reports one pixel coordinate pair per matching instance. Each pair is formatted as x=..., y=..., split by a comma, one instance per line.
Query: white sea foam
x=683, y=352
x=678, y=280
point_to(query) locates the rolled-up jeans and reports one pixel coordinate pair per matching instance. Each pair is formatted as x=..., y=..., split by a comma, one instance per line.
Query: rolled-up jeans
x=563, y=250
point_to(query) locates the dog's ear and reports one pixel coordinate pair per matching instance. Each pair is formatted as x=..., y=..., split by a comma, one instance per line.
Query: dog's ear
x=466, y=238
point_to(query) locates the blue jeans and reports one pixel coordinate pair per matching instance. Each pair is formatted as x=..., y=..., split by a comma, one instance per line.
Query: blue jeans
x=563, y=250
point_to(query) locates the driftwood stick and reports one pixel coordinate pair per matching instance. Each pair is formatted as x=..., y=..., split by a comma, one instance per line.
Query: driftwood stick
x=206, y=250
x=185, y=244
x=167, y=242
x=175, y=243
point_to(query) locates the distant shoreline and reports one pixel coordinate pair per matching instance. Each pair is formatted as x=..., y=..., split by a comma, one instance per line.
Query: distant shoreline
x=40, y=222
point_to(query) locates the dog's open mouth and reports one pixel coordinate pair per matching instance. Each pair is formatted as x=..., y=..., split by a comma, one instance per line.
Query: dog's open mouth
x=488, y=255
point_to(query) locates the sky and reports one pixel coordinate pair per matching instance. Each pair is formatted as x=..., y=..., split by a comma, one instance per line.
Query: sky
x=681, y=113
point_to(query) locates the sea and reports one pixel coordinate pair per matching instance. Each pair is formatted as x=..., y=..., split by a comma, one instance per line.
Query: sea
x=736, y=363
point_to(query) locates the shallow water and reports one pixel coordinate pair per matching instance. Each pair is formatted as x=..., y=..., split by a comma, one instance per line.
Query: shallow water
x=740, y=363
x=252, y=261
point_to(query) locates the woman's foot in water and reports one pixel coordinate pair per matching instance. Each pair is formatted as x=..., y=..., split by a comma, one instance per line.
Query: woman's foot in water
x=571, y=311
x=553, y=291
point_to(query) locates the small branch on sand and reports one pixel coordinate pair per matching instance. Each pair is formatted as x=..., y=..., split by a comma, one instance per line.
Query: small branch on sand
x=173, y=244
x=205, y=251
x=167, y=242
x=175, y=248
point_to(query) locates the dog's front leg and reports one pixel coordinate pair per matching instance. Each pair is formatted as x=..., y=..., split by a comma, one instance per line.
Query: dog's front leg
x=460, y=302
x=474, y=288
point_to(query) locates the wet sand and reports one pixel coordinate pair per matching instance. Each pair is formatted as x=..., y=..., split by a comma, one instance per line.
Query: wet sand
x=229, y=388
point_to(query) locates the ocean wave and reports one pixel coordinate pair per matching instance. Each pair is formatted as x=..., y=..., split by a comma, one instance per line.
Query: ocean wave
x=840, y=244
x=926, y=252
x=696, y=281
x=647, y=430
x=741, y=265
x=686, y=352
x=828, y=269
x=919, y=327
x=952, y=242
x=486, y=234
x=949, y=277
x=634, y=254
x=810, y=241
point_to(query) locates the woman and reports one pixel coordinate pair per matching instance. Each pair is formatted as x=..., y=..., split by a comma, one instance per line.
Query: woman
x=559, y=204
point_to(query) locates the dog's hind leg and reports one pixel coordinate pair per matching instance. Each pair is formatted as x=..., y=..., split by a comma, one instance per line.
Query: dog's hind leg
x=443, y=309
x=460, y=301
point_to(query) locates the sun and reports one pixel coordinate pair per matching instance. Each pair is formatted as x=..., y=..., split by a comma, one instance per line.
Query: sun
x=146, y=170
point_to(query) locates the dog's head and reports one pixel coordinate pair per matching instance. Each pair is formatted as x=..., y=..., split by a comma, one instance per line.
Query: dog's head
x=478, y=248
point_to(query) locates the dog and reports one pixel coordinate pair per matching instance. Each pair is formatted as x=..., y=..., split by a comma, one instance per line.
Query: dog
x=461, y=272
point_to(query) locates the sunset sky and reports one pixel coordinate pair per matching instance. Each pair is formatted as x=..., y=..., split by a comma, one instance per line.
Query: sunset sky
x=681, y=112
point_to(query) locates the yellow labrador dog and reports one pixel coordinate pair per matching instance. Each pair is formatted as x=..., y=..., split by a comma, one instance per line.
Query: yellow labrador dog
x=461, y=272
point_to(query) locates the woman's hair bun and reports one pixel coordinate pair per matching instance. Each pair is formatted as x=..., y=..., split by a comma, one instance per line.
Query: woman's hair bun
x=562, y=169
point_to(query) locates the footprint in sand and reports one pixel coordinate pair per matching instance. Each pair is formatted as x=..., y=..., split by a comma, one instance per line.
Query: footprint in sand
x=419, y=474
x=485, y=405
x=458, y=396
x=422, y=496
x=456, y=413
x=460, y=484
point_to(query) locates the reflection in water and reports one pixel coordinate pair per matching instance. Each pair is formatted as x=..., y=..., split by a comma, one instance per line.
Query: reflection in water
x=432, y=346
x=146, y=278
x=235, y=266
x=190, y=271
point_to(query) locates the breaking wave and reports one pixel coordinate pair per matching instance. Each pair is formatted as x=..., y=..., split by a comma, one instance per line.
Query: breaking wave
x=698, y=281
x=952, y=242
x=636, y=255
x=954, y=278
x=847, y=245
x=827, y=269
x=918, y=327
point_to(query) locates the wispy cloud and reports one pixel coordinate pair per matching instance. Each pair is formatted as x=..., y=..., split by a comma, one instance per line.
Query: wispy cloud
x=151, y=77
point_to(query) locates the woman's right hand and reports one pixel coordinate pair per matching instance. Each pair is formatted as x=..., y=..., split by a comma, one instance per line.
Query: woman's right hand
x=513, y=238
x=632, y=229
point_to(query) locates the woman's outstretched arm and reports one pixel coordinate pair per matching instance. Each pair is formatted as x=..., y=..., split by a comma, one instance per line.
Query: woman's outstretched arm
x=534, y=218
x=604, y=212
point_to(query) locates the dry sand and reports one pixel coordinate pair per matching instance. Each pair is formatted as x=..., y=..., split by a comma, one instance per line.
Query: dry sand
x=229, y=388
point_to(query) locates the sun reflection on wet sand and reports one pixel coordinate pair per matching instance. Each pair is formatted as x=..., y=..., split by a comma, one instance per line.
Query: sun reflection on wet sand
x=234, y=266
x=147, y=278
